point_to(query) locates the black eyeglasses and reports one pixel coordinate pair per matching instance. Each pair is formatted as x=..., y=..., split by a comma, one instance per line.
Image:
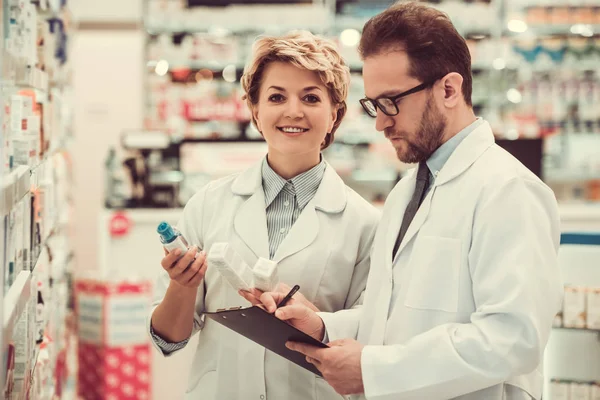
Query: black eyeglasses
x=388, y=104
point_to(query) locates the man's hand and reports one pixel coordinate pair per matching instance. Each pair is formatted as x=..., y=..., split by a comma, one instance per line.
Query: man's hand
x=255, y=294
x=188, y=271
x=294, y=312
x=339, y=364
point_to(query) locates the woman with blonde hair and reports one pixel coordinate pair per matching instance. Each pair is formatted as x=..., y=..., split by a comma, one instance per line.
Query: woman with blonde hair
x=291, y=207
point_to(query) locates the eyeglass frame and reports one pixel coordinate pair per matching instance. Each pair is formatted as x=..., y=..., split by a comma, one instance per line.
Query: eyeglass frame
x=395, y=98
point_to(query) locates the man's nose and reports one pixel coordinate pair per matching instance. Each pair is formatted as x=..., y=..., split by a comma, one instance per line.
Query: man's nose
x=383, y=121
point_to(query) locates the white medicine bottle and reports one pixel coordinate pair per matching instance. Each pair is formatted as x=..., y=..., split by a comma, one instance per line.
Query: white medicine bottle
x=171, y=238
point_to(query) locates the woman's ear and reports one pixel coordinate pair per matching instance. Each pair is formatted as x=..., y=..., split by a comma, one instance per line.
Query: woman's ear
x=255, y=117
x=334, y=115
x=452, y=89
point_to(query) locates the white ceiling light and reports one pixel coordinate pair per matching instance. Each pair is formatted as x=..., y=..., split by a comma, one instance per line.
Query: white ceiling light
x=517, y=26
x=162, y=67
x=499, y=64
x=583, y=30
x=350, y=37
x=229, y=73
x=514, y=96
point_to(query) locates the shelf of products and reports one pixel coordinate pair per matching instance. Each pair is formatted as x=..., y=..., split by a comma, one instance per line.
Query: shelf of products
x=534, y=68
x=34, y=197
x=572, y=357
x=193, y=76
x=568, y=389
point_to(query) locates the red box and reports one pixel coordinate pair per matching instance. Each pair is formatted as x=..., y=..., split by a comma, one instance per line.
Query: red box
x=113, y=345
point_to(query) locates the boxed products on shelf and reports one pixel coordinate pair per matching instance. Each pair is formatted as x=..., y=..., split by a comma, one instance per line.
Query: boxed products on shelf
x=569, y=390
x=581, y=308
x=113, y=348
x=33, y=176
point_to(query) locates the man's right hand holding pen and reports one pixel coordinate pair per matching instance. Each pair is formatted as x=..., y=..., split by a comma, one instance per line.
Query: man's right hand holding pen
x=298, y=311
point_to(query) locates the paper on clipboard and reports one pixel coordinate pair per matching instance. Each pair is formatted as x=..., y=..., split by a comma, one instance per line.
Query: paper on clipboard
x=267, y=330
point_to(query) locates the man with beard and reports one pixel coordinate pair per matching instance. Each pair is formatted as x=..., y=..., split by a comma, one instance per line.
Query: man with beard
x=464, y=280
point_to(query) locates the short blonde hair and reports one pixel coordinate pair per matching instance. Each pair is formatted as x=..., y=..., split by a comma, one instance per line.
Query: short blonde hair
x=303, y=50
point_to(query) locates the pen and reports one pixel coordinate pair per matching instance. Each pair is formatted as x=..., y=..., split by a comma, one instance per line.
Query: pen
x=288, y=296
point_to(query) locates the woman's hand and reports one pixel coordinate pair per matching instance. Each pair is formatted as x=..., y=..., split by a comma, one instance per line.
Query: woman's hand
x=254, y=296
x=188, y=271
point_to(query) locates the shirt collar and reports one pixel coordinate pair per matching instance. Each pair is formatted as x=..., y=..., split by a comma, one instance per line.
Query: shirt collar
x=305, y=184
x=438, y=159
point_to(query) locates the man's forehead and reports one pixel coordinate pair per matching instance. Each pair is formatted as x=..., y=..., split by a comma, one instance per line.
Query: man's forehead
x=381, y=80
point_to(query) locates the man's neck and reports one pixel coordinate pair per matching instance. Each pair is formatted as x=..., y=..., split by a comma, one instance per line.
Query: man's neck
x=459, y=122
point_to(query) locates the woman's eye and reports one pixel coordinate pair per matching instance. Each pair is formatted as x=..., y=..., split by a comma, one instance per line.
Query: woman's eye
x=277, y=98
x=311, y=98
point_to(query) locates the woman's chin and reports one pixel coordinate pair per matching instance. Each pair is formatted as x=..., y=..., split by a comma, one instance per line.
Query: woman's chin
x=293, y=150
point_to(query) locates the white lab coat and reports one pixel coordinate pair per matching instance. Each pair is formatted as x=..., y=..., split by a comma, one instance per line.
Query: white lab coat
x=326, y=252
x=479, y=284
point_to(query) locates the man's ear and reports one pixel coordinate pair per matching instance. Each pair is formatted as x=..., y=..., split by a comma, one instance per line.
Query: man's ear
x=452, y=85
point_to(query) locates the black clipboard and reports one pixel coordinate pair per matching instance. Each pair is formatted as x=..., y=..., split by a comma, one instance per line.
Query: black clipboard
x=267, y=330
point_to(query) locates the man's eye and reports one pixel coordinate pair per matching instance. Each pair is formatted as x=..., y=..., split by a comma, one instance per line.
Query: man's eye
x=276, y=98
x=311, y=98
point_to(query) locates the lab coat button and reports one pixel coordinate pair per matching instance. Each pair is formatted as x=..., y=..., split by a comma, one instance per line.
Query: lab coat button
x=282, y=230
x=262, y=397
x=286, y=203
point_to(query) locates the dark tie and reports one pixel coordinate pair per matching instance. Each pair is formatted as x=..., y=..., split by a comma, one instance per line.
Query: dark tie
x=415, y=202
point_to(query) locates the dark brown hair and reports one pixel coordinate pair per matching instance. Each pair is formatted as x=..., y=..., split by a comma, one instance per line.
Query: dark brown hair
x=432, y=43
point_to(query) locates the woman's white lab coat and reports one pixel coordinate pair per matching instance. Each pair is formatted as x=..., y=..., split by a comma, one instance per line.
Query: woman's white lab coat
x=326, y=252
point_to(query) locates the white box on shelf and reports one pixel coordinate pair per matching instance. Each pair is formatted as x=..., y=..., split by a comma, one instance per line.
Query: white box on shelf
x=595, y=391
x=557, y=322
x=574, y=307
x=593, y=308
x=559, y=390
x=579, y=391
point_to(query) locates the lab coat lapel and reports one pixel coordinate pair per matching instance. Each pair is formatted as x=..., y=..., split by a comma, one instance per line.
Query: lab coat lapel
x=398, y=201
x=468, y=151
x=302, y=234
x=250, y=221
x=417, y=221
x=331, y=198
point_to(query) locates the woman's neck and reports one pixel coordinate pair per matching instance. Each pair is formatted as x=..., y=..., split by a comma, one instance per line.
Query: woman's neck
x=288, y=166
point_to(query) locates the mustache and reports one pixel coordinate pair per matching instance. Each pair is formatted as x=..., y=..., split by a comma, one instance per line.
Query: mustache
x=393, y=134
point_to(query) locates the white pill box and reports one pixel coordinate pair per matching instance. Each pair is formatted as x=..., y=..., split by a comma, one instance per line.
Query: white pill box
x=559, y=390
x=593, y=308
x=574, y=313
x=230, y=265
x=595, y=391
x=580, y=391
x=265, y=275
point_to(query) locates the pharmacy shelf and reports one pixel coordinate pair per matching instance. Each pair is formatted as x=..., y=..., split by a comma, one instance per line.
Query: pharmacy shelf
x=586, y=330
x=15, y=302
x=31, y=78
x=23, y=75
x=585, y=30
x=581, y=238
x=577, y=218
x=15, y=186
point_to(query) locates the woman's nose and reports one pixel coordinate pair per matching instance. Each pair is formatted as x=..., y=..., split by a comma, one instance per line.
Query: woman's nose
x=294, y=109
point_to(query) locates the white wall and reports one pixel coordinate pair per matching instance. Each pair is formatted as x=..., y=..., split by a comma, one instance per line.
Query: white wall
x=110, y=11
x=107, y=83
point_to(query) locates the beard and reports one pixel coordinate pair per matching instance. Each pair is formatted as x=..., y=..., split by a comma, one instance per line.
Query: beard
x=426, y=140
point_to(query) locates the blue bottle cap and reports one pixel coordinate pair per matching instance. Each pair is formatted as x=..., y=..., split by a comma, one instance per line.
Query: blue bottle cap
x=166, y=232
